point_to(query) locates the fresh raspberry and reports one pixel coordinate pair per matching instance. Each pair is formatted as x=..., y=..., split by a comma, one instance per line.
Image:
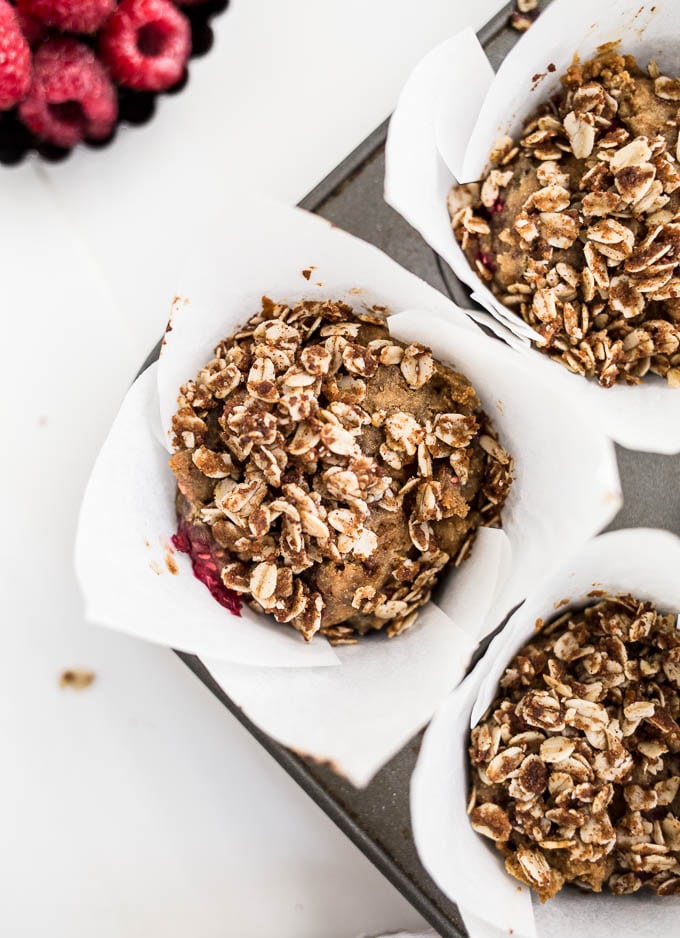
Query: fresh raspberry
x=15, y=59
x=34, y=30
x=73, y=16
x=146, y=44
x=71, y=97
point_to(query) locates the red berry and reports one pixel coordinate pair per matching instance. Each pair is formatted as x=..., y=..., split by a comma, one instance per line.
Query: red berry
x=74, y=16
x=146, y=44
x=190, y=541
x=34, y=30
x=71, y=97
x=15, y=59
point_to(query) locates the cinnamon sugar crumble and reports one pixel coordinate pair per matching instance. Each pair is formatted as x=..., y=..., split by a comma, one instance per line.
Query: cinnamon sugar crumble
x=576, y=764
x=576, y=225
x=334, y=471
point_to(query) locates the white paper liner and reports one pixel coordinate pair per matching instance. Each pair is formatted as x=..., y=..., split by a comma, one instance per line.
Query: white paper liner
x=434, y=140
x=355, y=715
x=358, y=715
x=126, y=521
x=466, y=866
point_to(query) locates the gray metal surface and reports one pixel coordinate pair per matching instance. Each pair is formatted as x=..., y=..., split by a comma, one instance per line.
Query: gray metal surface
x=377, y=818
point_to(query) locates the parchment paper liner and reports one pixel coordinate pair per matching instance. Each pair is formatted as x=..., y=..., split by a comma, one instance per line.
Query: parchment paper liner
x=354, y=706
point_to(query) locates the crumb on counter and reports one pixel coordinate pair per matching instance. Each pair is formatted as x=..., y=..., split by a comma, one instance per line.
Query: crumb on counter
x=76, y=678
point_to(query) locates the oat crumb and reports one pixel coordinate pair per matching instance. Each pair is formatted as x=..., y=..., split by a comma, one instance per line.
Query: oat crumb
x=171, y=563
x=76, y=678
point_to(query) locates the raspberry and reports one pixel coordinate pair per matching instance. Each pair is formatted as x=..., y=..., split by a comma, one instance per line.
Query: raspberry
x=15, y=59
x=34, y=30
x=191, y=541
x=74, y=16
x=146, y=44
x=71, y=97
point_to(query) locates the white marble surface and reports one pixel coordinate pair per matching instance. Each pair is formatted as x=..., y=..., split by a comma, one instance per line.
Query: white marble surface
x=140, y=807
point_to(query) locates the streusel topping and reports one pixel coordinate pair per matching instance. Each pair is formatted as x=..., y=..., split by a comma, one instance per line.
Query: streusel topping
x=334, y=471
x=576, y=226
x=576, y=764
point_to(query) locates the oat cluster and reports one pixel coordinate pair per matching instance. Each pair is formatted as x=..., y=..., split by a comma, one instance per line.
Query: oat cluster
x=576, y=765
x=576, y=226
x=336, y=470
x=523, y=15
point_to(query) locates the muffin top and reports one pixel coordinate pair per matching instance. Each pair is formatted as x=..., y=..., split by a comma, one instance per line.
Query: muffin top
x=575, y=227
x=576, y=764
x=328, y=473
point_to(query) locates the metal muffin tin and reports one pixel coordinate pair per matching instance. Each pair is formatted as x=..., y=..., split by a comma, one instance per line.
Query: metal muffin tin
x=377, y=818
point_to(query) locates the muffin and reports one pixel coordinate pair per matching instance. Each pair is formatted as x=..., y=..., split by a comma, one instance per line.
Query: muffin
x=574, y=227
x=575, y=767
x=328, y=474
